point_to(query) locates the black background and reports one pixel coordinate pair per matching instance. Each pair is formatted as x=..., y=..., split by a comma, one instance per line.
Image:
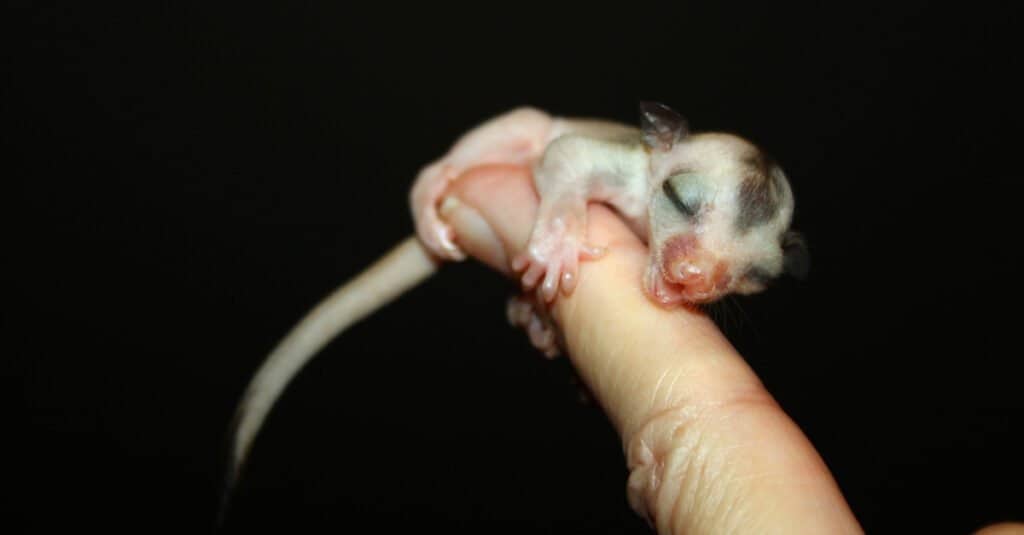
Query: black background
x=188, y=180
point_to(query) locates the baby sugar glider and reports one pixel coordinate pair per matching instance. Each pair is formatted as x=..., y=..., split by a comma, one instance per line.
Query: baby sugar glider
x=713, y=209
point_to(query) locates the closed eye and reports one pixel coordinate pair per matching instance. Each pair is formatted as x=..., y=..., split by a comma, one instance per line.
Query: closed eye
x=670, y=192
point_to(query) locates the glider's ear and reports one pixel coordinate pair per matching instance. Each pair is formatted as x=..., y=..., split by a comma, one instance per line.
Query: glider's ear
x=661, y=126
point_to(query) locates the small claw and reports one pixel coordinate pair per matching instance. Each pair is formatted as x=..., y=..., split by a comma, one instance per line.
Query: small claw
x=439, y=237
x=446, y=237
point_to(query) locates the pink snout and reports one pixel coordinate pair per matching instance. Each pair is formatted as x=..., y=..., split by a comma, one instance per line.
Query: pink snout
x=700, y=284
x=698, y=276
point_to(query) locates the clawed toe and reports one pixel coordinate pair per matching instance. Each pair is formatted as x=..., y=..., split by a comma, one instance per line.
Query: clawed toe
x=446, y=242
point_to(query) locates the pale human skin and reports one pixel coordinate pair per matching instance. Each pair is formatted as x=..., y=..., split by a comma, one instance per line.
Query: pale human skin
x=708, y=448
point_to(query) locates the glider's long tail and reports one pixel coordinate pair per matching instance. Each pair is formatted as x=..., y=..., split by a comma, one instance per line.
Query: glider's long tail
x=402, y=268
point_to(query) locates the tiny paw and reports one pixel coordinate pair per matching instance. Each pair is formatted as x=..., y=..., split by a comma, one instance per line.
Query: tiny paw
x=436, y=235
x=554, y=254
x=522, y=312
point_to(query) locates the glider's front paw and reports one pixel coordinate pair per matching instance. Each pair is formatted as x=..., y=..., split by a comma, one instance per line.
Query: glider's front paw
x=553, y=252
x=436, y=235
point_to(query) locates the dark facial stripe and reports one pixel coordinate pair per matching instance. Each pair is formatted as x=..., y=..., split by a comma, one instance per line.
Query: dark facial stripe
x=685, y=209
x=760, y=192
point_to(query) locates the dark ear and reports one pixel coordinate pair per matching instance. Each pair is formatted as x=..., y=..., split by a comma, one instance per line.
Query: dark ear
x=796, y=260
x=662, y=127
